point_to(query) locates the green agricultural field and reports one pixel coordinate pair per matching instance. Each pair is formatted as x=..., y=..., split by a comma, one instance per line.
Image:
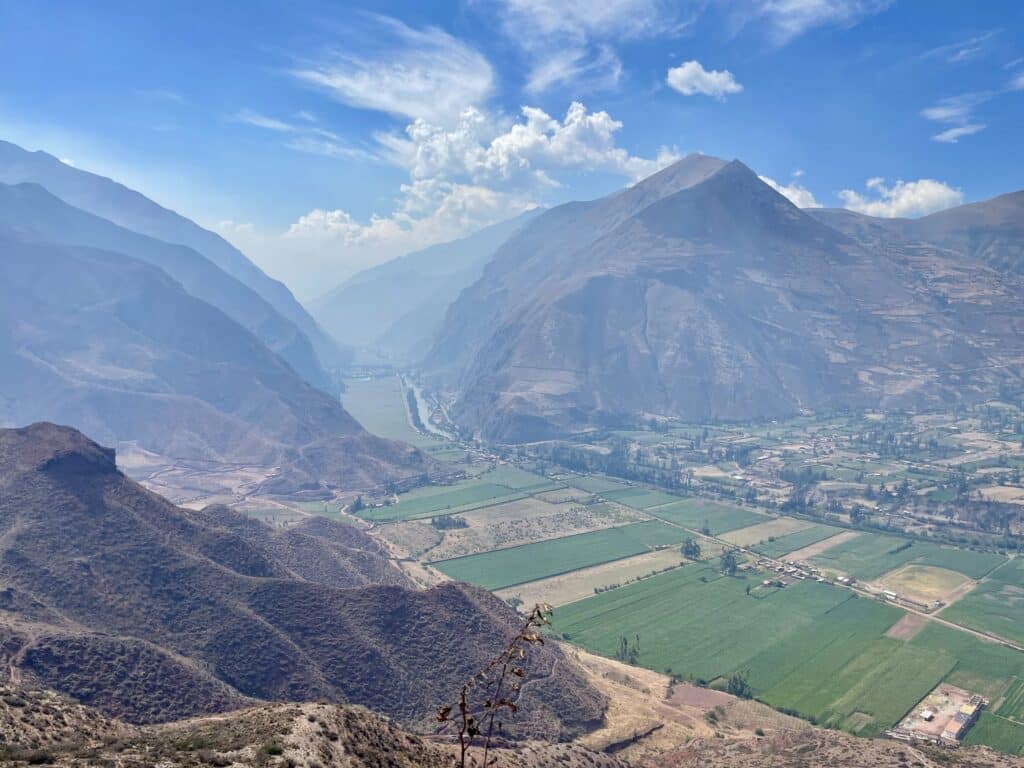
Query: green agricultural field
x=997, y=732
x=597, y=484
x=982, y=667
x=379, y=405
x=521, y=480
x=996, y=605
x=813, y=648
x=639, y=498
x=444, y=500
x=783, y=545
x=870, y=555
x=696, y=514
x=540, y=560
x=1011, y=705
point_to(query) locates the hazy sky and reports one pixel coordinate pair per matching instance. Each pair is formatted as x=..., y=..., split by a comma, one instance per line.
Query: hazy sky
x=324, y=137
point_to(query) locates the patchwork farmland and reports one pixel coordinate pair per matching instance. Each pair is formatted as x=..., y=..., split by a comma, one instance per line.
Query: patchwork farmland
x=837, y=623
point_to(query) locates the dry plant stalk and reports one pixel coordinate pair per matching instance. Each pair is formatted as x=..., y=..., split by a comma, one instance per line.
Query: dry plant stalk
x=490, y=683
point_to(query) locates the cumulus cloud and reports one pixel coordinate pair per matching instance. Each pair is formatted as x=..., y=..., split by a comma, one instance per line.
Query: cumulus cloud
x=414, y=73
x=520, y=153
x=691, y=78
x=788, y=19
x=478, y=171
x=902, y=199
x=798, y=195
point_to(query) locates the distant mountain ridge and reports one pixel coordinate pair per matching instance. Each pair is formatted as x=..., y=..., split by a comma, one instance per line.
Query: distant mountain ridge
x=129, y=209
x=398, y=306
x=115, y=346
x=704, y=294
x=35, y=214
x=148, y=612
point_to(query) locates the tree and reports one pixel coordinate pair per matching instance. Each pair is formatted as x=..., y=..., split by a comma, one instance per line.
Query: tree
x=357, y=505
x=738, y=685
x=729, y=563
x=691, y=549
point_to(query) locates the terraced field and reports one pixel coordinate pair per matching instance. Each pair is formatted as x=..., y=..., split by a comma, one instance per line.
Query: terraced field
x=700, y=514
x=530, y=562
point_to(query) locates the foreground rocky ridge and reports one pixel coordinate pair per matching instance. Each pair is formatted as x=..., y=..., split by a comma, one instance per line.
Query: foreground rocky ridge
x=151, y=613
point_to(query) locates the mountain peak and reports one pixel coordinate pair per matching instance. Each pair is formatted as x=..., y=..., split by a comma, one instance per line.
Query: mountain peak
x=53, y=448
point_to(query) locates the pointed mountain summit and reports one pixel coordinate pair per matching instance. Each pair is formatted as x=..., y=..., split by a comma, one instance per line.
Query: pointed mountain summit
x=702, y=293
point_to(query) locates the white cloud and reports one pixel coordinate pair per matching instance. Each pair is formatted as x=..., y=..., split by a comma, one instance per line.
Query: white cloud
x=67, y=161
x=798, y=195
x=902, y=199
x=412, y=73
x=306, y=136
x=521, y=153
x=953, y=135
x=1017, y=84
x=572, y=41
x=228, y=227
x=788, y=19
x=478, y=171
x=958, y=113
x=691, y=78
x=963, y=50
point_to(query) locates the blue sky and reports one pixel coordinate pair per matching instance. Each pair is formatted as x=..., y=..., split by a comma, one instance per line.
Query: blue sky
x=324, y=137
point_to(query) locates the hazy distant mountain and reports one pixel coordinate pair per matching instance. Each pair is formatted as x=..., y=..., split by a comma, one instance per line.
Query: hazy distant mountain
x=702, y=293
x=991, y=231
x=116, y=347
x=397, y=307
x=112, y=201
x=37, y=215
x=110, y=594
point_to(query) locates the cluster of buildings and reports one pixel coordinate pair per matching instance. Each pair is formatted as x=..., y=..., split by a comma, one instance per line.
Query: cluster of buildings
x=943, y=718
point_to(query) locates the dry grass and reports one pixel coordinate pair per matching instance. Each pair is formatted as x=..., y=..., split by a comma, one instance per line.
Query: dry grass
x=816, y=549
x=923, y=583
x=755, y=534
x=577, y=585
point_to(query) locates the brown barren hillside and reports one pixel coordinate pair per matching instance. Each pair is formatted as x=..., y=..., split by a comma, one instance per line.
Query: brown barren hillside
x=149, y=612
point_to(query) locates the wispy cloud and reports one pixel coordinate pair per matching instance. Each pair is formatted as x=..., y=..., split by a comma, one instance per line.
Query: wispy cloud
x=958, y=113
x=789, y=19
x=962, y=50
x=691, y=78
x=573, y=42
x=414, y=73
x=953, y=135
x=902, y=199
x=306, y=136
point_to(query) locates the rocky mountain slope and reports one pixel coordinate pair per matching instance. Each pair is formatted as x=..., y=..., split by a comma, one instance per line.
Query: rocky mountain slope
x=38, y=216
x=41, y=727
x=116, y=347
x=129, y=209
x=396, y=308
x=704, y=294
x=149, y=613
x=991, y=231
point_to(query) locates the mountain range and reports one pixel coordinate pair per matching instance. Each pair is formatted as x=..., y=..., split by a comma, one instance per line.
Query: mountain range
x=702, y=293
x=116, y=598
x=397, y=308
x=131, y=210
x=149, y=342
